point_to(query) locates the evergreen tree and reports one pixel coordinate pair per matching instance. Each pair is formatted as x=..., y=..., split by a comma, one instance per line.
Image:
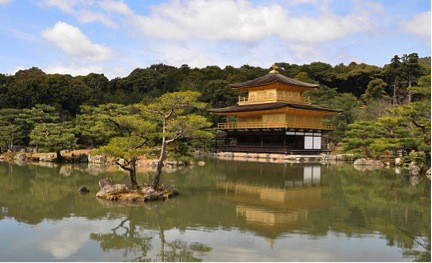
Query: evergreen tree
x=53, y=137
x=363, y=135
x=153, y=127
x=138, y=134
x=11, y=128
x=171, y=113
x=97, y=125
x=411, y=70
x=375, y=90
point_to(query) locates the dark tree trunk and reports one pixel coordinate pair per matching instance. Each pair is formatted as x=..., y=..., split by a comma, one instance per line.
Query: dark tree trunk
x=395, y=88
x=367, y=151
x=424, y=131
x=59, y=157
x=409, y=90
x=132, y=173
x=159, y=166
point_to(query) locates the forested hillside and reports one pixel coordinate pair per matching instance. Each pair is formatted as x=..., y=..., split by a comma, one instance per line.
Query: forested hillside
x=386, y=109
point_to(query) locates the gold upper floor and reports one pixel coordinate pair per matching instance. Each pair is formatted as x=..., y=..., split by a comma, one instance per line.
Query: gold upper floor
x=273, y=95
x=296, y=120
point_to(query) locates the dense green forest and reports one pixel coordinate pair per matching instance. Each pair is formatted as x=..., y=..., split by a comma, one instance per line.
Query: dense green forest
x=386, y=109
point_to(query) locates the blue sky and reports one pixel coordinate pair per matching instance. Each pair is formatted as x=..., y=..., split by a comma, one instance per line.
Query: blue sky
x=114, y=37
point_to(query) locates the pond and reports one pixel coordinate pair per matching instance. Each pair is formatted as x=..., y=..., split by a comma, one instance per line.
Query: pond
x=226, y=211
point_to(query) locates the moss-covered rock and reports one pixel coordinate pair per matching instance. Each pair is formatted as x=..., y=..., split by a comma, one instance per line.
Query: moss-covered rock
x=121, y=192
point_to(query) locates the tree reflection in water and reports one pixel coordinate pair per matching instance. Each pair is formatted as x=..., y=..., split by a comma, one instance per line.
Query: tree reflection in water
x=267, y=200
x=136, y=241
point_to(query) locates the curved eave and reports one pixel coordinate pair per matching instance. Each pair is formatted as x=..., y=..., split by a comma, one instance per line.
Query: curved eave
x=270, y=79
x=270, y=106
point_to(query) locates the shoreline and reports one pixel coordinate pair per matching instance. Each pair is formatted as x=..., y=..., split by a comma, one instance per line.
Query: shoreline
x=284, y=158
x=84, y=156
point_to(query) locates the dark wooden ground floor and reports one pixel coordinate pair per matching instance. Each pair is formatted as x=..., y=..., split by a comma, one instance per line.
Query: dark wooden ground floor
x=270, y=141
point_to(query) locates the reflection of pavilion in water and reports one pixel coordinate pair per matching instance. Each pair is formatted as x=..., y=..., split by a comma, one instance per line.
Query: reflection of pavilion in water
x=275, y=207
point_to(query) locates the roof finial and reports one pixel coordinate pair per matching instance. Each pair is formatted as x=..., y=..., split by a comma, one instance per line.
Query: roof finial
x=274, y=68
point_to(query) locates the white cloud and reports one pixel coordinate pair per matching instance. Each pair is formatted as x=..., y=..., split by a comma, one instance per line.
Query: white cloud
x=81, y=9
x=87, y=16
x=214, y=20
x=419, y=25
x=66, y=6
x=241, y=32
x=74, y=70
x=29, y=37
x=237, y=21
x=211, y=32
x=322, y=29
x=74, y=43
x=116, y=7
x=5, y=2
x=305, y=53
x=85, y=69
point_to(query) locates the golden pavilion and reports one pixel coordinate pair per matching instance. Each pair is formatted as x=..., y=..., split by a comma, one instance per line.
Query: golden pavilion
x=273, y=118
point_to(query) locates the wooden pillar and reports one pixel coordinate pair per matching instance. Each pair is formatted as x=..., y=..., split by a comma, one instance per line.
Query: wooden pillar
x=284, y=139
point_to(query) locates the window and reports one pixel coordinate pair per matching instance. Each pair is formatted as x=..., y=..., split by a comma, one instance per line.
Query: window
x=308, y=142
x=311, y=142
x=317, y=143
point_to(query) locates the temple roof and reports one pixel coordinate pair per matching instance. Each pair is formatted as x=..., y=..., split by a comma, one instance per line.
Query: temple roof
x=269, y=106
x=271, y=78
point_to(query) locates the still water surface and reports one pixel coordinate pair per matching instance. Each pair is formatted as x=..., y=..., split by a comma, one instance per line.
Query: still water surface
x=226, y=211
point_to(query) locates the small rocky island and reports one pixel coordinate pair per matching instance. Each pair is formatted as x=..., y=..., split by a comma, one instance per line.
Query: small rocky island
x=122, y=192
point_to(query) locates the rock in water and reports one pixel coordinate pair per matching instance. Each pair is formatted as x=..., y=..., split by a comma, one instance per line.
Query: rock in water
x=366, y=162
x=104, y=182
x=83, y=190
x=375, y=163
x=361, y=161
x=112, y=189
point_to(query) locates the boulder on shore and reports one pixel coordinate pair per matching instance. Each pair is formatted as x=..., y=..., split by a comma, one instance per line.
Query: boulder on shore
x=343, y=157
x=363, y=164
x=361, y=161
x=367, y=162
x=398, y=161
x=48, y=157
x=80, y=158
x=20, y=157
x=375, y=163
x=98, y=159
